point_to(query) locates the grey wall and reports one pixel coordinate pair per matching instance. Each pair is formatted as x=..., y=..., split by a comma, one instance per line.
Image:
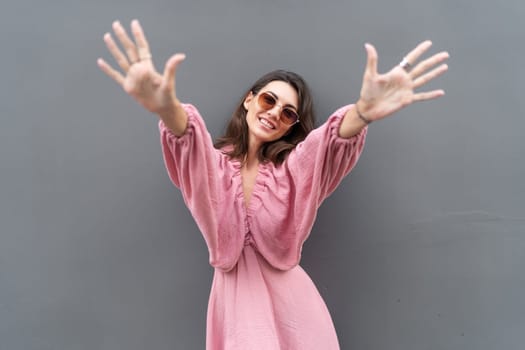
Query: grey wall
x=422, y=247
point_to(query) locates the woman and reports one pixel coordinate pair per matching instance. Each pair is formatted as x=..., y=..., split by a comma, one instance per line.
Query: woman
x=255, y=194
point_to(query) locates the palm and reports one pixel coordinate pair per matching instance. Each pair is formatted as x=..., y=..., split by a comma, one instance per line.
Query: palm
x=145, y=84
x=154, y=91
x=384, y=94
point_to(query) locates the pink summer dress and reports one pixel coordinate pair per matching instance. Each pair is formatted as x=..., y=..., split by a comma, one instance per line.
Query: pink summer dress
x=261, y=299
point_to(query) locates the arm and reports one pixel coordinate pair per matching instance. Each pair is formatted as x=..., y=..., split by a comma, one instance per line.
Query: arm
x=384, y=94
x=351, y=124
x=154, y=91
x=319, y=163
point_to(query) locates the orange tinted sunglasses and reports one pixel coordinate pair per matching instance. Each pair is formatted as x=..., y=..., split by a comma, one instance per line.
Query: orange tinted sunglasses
x=288, y=115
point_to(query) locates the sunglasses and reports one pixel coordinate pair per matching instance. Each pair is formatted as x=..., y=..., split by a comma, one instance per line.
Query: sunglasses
x=268, y=101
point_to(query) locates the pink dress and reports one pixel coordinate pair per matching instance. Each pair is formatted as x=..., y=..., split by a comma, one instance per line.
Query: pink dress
x=260, y=297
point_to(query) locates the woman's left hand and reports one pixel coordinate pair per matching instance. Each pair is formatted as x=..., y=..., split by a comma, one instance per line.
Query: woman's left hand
x=384, y=94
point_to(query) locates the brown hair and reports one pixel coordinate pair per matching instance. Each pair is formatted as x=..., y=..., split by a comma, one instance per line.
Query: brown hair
x=236, y=134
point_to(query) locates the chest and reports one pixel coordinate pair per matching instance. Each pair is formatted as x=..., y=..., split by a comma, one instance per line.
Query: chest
x=248, y=182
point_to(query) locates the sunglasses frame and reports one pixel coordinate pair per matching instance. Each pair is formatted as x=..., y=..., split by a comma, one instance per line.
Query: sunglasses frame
x=262, y=96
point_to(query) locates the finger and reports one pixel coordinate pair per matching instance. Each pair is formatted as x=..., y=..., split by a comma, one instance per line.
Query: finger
x=422, y=80
x=414, y=55
x=140, y=40
x=171, y=68
x=126, y=42
x=429, y=95
x=120, y=58
x=112, y=73
x=371, y=63
x=425, y=65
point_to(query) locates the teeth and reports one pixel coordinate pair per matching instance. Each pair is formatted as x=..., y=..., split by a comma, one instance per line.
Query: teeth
x=266, y=123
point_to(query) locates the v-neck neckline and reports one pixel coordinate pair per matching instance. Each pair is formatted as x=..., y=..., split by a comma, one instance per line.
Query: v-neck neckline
x=247, y=197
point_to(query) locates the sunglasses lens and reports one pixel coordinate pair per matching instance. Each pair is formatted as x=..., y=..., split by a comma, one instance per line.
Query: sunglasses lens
x=266, y=101
x=289, y=116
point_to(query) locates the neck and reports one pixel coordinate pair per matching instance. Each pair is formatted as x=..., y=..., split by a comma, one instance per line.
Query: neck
x=252, y=158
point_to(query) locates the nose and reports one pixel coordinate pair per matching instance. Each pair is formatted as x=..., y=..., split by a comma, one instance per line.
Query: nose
x=275, y=111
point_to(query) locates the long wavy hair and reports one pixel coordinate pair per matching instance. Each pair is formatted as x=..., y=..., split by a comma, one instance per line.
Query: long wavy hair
x=234, y=142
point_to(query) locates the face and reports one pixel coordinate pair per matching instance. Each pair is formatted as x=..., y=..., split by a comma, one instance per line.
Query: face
x=266, y=125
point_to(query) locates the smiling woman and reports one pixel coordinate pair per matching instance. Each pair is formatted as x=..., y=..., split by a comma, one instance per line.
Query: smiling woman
x=256, y=192
x=258, y=99
x=267, y=119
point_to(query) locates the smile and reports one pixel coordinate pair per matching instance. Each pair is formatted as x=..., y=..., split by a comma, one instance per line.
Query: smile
x=266, y=123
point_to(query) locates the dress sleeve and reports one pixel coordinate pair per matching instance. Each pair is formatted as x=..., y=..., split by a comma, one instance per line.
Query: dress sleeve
x=192, y=165
x=323, y=159
x=319, y=164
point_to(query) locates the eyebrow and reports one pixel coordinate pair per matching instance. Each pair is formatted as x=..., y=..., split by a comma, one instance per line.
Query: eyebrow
x=277, y=98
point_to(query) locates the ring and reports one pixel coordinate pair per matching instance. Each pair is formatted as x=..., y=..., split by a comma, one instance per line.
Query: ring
x=405, y=64
x=145, y=57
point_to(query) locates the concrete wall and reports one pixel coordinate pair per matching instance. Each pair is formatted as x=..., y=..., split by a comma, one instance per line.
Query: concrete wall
x=422, y=246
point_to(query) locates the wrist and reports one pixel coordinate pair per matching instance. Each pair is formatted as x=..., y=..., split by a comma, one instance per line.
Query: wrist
x=170, y=110
x=175, y=117
x=361, y=112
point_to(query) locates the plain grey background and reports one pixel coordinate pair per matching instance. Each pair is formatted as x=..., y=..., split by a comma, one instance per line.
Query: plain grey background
x=421, y=247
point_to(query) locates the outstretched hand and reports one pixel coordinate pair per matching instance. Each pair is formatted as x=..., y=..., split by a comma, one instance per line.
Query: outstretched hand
x=384, y=94
x=137, y=74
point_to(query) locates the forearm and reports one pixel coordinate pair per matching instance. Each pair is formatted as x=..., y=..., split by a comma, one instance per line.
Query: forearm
x=175, y=118
x=352, y=124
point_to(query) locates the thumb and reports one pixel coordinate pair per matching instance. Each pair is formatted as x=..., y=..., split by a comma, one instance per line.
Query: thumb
x=171, y=68
x=371, y=62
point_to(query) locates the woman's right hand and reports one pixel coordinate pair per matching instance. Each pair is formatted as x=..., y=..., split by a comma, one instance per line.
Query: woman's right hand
x=137, y=74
